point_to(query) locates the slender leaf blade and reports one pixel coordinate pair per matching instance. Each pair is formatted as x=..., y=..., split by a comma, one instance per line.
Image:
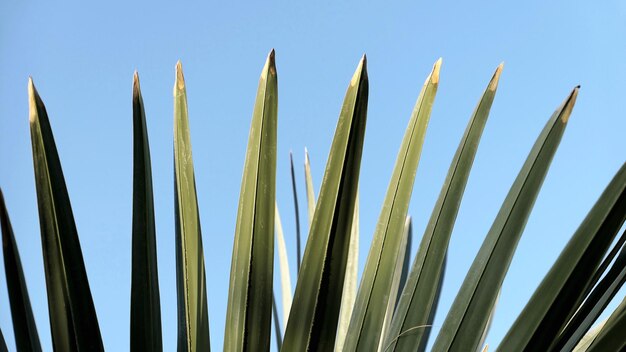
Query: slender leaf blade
x=417, y=303
x=313, y=318
x=350, y=285
x=297, y=212
x=375, y=288
x=310, y=193
x=145, y=301
x=283, y=263
x=470, y=312
x=24, y=327
x=73, y=320
x=249, y=310
x=563, y=288
x=193, y=316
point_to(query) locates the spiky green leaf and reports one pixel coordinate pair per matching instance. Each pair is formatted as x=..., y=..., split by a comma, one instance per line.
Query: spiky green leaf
x=472, y=307
x=145, y=306
x=375, y=288
x=313, y=318
x=249, y=310
x=297, y=213
x=193, y=315
x=417, y=303
x=73, y=319
x=310, y=193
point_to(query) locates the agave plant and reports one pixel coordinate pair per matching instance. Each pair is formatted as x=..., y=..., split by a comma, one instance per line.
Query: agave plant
x=392, y=307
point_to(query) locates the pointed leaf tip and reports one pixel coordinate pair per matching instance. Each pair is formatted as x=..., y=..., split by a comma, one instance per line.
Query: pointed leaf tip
x=271, y=58
x=180, y=79
x=136, y=88
x=493, y=85
x=569, y=105
x=434, y=76
x=32, y=102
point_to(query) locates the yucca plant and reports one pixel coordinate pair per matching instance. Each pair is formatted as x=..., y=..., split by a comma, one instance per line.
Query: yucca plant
x=393, y=306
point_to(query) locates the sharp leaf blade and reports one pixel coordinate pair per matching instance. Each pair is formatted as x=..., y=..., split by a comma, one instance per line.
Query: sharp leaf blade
x=73, y=320
x=472, y=307
x=417, y=302
x=375, y=288
x=249, y=310
x=310, y=193
x=315, y=311
x=145, y=306
x=193, y=315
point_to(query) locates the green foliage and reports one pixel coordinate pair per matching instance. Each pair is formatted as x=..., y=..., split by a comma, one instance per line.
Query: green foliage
x=394, y=307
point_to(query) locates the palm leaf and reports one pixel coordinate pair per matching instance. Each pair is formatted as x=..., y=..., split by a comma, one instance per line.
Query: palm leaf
x=145, y=306
x=249, y=310
x=24, y=327
x=73, y=320
x=563, y=288
x=472, y=307
x=297, y=212
x=375, y=288
x=315, y=311
x=310, y=193
x=193, y=315
x=417, y=303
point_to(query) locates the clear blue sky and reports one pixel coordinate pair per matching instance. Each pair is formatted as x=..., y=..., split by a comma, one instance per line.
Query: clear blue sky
x=82, y=58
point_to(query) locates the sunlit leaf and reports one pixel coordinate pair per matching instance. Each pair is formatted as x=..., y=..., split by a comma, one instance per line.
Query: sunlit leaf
x=310, y=193
x=249, y=309
x=375, y=288
x=193, y=315
x=315, y=310
x=418, y=300
x=472, y=307
x=297, y=213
